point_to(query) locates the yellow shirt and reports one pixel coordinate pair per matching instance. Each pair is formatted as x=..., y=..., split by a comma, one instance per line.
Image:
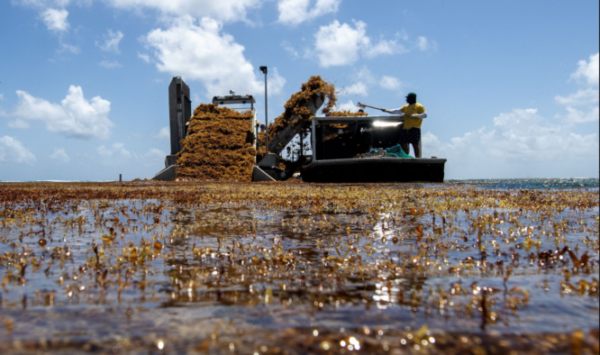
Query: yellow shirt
x=411, y=122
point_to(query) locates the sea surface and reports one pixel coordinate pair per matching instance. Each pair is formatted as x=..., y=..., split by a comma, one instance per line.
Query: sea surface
x=226, y=268
x=508, y=184
x=533, y=184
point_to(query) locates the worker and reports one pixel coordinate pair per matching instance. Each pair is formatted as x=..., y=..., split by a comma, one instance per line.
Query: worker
x=414, y=114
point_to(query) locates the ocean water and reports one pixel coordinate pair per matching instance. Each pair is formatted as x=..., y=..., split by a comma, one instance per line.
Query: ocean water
x=229, y=266
x=509, y=184
x=533, y=184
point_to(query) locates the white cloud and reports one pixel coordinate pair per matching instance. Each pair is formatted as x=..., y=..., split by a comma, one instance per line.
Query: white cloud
x=588, y=70
x=348, y=106
x=55, y=17
x=201, y=52
x=144, y=57
x=365, y=79
x=287, y=46
x=60, y=155
x=294, y=12
x=356, y=89
x=586, y=99
x=64, y=47
x=424, y=44
x=390, y=83
x=342, y=44
x=520, y=144
x=117, y=154
x=576, y=116
x=117, y=150
x=18, y=123
x=365, y=75
x=226, y=10
x=111, y=41
x=153, y=157
x=164, y=133
x=56, y=20
x=581, y=97
x=12, y=151
x=384, y=47
x=74, y=117
x=110, y=65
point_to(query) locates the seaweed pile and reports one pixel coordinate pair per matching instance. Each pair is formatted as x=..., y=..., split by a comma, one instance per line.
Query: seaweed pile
x=218, y=146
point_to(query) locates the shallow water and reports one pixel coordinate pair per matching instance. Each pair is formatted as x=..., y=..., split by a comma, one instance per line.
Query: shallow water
x=215, y=267
x=534, y=184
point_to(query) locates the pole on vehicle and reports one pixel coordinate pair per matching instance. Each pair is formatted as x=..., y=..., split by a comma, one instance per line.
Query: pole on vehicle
x=264, y=70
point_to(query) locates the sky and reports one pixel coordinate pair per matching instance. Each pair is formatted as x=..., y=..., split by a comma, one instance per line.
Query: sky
x=510, y=87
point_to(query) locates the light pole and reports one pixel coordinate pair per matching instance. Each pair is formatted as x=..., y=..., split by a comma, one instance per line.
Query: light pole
x=264, y=70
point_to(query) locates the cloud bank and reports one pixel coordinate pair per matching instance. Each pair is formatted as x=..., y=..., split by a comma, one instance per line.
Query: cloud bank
x=13, y=151
x=520, y=144
x=74, y=117
x=198, y=50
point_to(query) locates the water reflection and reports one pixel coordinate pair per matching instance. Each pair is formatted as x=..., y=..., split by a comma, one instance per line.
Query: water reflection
x=453, y=258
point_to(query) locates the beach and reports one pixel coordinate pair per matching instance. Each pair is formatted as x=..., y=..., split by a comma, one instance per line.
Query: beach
x=465, y=267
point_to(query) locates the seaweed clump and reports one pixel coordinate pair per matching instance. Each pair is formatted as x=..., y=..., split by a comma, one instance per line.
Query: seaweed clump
x=218, y=145
x=297, y=105
x=347, y=113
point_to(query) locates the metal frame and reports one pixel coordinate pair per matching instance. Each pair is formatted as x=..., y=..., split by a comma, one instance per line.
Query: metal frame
x=180, y=111
x=234, y=99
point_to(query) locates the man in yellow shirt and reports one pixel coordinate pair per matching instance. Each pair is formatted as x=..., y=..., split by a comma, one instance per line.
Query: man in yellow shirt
x=413, y=113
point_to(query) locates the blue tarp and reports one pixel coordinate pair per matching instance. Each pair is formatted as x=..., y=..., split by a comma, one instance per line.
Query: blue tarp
x=397, y=151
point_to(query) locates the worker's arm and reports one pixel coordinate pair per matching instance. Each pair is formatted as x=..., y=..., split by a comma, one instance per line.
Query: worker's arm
x=394, y=112
x=420, y=112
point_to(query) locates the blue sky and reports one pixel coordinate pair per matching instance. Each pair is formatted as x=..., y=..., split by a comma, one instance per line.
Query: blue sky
x=511, y=87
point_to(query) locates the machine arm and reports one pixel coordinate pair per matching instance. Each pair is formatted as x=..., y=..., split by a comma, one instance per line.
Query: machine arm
x=288, y=133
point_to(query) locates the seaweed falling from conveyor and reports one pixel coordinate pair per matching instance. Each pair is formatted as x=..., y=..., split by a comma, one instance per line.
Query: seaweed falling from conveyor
x=218, y=145
x=297, y=105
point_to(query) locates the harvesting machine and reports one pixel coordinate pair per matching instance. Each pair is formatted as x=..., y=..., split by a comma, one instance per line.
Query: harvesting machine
x=344, y=149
